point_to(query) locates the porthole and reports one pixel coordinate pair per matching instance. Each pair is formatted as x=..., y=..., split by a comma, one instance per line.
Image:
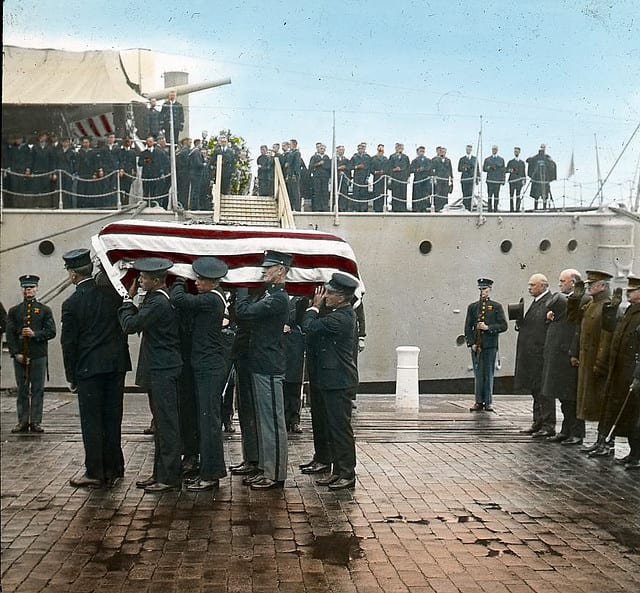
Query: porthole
x=425, y=247
x=46, y=247
x=572, y=245
x=506, y=246
x=545, y=245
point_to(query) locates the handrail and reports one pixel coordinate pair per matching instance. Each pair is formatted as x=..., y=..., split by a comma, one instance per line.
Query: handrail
x=217, y=190
x=281, y=196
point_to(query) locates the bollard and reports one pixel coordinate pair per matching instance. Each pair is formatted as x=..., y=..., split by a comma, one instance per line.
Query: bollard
x=407, y=396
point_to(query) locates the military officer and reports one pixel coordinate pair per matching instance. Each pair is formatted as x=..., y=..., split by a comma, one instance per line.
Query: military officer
x=30, y=326
x=335, y=375
x=343, y=169
x=320, y=169
x=361, y=167
x=493, y=166
x=399, y=170
x=542, y=170
x=443, y=177
x=421, y=169
x=155, y=166
x=516, y=170
x=208, y=363
x=267, y=317
x=229, y=159
x=380, y=170
x=485, y=320
x=265, y=172
x=159, y=365
x=469, y=175
x=96, y=359
x=172, y=111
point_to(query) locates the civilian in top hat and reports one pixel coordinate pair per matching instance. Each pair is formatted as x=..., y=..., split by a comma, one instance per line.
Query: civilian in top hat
x=621, y=410
x=159, y=365
x=560, y=377
x=96, y=359
x=484, y=322
x=590, y=352
x=333, y=376
x=266, y=318
x=30, y=326
x=208, y=363
x=530, y=357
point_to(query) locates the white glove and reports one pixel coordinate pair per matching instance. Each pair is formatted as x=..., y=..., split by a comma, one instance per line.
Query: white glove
x=361, y=344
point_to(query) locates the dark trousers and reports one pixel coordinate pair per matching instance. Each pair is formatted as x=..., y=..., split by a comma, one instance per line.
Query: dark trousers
x=319, y=425
x=441, y=195
x=188, y=413
x=342, y=444
x=195, y=193
x=467, y=192
x=293, y=189
x=246, y=412
x=360, y=196
x=484, y=364
x=320, y=200
x=265, y=186
x=163, y=397
x=209, y=384
x=493, y=193
x=399, y=192
x=272, y=433
x=292, y=403
x=572, y=426
x=544, y=411
x=379, y=193
x=634, y=446
x=515, y=191
x=100, y=401
x=30, y=383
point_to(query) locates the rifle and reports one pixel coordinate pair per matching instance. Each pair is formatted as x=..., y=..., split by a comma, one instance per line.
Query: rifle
x=481, y=316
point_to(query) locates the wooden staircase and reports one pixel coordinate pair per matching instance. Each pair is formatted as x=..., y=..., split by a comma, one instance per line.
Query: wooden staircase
x=249, y=210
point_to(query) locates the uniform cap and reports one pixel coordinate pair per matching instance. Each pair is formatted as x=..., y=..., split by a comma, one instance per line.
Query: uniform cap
x=596, y=276
x=152, y=264
x=276, y=258
x=29, y=280
x=210, y=267
x=485, y=283
x=633, y=283
x=76, y=258
x=342, y=283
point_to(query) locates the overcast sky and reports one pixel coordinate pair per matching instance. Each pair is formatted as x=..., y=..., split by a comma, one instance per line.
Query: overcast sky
x=419, y=72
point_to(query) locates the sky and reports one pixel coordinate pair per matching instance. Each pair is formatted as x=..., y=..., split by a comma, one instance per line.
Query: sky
x=561, y=72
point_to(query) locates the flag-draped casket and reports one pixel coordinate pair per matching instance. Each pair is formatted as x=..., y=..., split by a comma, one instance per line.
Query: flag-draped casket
x=316, y=254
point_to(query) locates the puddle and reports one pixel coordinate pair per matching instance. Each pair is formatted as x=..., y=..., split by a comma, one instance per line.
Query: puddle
x=337, y=548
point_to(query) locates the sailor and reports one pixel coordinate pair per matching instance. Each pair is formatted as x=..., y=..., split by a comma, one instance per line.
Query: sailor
x=494, y=167
x=267, y=317
x=265, y=172
x=516, y=170
x=343, y=171
x=159, y=365
x=320, y=169
x=470, y=172
x=380, y=168
x=399, y=169
x=155, y=166
x=421, y=169
x=443, y=177
x=334, y=376
x=172, y=111
x=294, y=376
x=208, y=363
x=96, y=359
x=228, y=155
x=361, y=167
x=30, y=326
x=542, y=170
x=484, y=321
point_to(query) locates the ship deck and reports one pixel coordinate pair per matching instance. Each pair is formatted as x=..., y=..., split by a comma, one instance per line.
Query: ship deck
x=446, y=501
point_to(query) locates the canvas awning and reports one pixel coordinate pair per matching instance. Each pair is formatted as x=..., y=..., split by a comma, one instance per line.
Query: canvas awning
x=56, y=77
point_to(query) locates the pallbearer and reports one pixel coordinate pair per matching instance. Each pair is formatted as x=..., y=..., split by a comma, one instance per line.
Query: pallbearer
x=485, y=320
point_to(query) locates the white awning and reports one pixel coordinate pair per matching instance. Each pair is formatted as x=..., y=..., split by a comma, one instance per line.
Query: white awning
x=56, y=77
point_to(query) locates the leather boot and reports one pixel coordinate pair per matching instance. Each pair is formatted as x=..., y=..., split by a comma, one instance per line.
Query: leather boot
x=599, y=442
x=607, y=449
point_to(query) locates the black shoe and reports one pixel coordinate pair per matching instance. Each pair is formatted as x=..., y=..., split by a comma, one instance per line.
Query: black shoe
x=308, y=464
x=85, y=482
x=632, y=464
x=316, y=468
x=543, y=433
x=159, y=488
x=267, y=484
x=570, y=441
x=488, y=408
x=150, y=430
x=530, y=430
x=36, y=428
x=146, y=482
x=558, y=438
x=604, y=451
x=200, y=485
x=623, y=460
x=343, y=483
x=328, y=480
x=20, y=428
x=477, y=407
x=599, y=442
x=248, y=469
x=295, y=428
x=254, y=478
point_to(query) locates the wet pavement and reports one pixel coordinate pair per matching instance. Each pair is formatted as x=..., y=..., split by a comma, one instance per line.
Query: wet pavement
x=446, y=501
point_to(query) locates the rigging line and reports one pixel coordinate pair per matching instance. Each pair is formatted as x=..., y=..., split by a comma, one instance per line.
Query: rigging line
x=137, y=207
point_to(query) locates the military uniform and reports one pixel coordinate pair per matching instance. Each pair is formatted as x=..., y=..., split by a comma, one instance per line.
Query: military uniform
x=493, y=166
x=442, y=171
x=31, y=372
x=228, y=166
x=421, y=169
x=343, y=168
x=320, y=169
x=483, y=357
x=516, y=170
x=43, y=163
x=155, y=166
x=542, y=170
x=380, y=169
x=470, y=174
x=361, y=167
x=178, y=119
x=399, y=180
x=294, y=347
x=96, y=359
x=292, y=167
x=265, y=174
x=128, y=171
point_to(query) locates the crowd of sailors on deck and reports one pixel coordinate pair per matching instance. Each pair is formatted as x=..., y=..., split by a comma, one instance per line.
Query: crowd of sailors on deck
x=53, y=173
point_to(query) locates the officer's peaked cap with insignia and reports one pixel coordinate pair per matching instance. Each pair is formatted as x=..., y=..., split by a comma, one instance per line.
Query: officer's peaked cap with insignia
x=596, y=276
x=152, y=264
x=29, y=280
x=210, y=267
x=485, y=283
x=76, y=258
x=633, y=282
x=341, y=283
x=276, y=258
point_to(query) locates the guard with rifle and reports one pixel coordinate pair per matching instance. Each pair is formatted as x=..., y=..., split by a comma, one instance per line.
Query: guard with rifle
x=30, y=326
x=484, y=321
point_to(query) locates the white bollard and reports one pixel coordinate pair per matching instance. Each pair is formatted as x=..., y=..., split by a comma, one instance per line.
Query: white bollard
x=407, y=396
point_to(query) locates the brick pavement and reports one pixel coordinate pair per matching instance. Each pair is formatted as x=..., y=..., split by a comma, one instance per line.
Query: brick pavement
x=446, y=501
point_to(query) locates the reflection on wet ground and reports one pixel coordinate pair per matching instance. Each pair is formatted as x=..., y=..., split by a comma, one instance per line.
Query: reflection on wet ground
x=446, y=501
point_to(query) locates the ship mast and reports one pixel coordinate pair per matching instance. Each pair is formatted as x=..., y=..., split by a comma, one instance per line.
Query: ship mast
x=599, y=193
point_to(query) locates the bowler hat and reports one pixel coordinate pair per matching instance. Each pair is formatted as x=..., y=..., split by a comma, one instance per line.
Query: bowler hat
x=29, y=280
x=276, y=258
x=210, y=267
x=76, y=258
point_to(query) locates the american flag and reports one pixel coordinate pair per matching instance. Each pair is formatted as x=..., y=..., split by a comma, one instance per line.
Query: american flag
x=316, y=254
x=98, y=126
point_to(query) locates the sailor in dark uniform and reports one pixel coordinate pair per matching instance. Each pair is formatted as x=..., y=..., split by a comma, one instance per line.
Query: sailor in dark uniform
x=380, y=169
x=516, y=170
x=294, y=376
x=87, y=174
x=67, y=169
x=361, y=167
x=228, y=155
x=159, y=365
x=265, y=172
x=485, y=320
x=443, y=177
x=334, y=375
x=399, y=170
x=96, y=359
x=493, y=166
x=267, y=317
x=155, y=166
x=128, y=169
x=470, y=176
x=320, y=169
x=197, y=168
x=182, y=171
x=542, y=170
x=208, y=309
x=30, y=326
x=43, y=164
x=172, y=111
x=292, y=167
x=421, y=169
x=343, y=171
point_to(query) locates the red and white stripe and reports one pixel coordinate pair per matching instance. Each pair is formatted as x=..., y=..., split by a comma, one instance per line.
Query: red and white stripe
x=98, y=126
x=316, y=255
